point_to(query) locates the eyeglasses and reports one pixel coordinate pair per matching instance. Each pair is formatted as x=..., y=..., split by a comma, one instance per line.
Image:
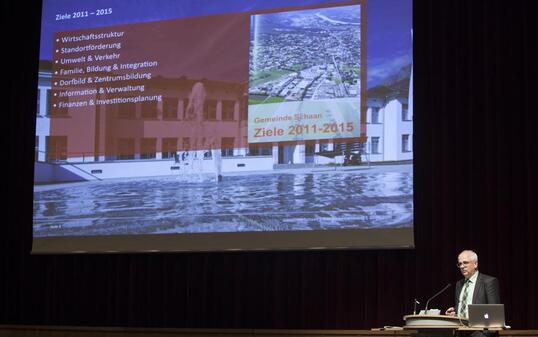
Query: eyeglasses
x=463, y=263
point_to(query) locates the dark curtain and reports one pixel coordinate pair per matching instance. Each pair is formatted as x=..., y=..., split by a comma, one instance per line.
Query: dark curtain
x=475, y=141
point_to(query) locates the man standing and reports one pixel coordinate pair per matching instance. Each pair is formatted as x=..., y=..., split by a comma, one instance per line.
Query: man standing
x=474, y=288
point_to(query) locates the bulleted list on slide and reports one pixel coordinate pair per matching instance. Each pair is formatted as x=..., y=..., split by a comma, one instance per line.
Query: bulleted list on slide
x=98, y=68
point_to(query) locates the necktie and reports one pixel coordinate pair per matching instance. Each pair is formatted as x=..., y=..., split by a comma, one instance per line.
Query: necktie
x=463, y=305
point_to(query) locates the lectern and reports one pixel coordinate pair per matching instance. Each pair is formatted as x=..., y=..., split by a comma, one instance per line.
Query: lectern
x=434, y=325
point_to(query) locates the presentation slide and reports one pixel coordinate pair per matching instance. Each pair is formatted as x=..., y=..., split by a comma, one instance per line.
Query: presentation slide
x=224, y=125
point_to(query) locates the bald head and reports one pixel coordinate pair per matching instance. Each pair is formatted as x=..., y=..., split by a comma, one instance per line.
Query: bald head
x=470, y=254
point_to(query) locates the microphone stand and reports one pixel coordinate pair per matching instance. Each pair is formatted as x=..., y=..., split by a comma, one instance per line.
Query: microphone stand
x=434, y=296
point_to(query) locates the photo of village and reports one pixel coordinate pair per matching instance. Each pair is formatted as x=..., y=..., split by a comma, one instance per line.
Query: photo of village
x=305, y=55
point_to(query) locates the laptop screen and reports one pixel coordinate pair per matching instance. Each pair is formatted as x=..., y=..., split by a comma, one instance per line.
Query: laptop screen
x=486, y=315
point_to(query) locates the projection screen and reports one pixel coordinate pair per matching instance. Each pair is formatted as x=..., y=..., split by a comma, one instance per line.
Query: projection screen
x=212, y=125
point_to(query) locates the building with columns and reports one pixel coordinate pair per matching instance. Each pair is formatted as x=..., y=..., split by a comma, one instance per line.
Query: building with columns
x=159, y=137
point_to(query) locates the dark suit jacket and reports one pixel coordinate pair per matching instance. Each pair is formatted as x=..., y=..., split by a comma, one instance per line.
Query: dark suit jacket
x=486, y=290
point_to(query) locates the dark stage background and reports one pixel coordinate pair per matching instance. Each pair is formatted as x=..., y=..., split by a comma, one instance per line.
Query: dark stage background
x=475, y=176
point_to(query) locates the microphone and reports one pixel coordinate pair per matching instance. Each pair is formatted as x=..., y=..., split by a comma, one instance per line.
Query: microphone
x=434, y=296
x=415, y=302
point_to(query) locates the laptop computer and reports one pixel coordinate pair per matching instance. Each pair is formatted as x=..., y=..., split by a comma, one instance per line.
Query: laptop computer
x=486, y=315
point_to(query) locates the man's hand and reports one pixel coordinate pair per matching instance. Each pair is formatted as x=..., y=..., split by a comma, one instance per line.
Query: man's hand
x=450, y=311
